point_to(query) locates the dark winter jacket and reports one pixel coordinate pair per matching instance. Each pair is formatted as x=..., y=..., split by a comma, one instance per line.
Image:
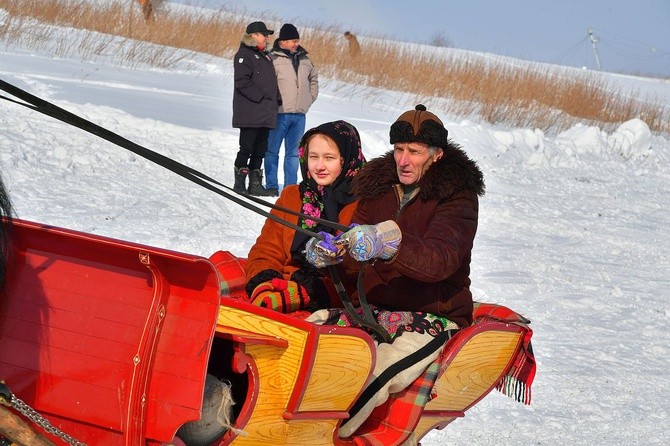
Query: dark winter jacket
x=431, y=270
x=256, y=95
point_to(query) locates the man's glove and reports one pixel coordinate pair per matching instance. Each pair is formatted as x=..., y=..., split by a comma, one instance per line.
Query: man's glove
x=281, y=295
x=325, y=252
x=367, y=242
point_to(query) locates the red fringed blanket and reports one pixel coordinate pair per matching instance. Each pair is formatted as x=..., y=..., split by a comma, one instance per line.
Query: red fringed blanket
x=517, y=382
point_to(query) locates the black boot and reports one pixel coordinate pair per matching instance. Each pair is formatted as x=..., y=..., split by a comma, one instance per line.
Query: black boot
x=256, y=185
x=240, y=179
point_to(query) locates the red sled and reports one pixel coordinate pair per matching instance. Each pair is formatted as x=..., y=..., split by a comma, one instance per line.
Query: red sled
x=112, y=342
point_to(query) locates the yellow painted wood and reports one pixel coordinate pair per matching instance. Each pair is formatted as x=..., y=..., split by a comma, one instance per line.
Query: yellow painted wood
x=342, y=365
x=426, y=424
x=341, y=368
x=478, y=366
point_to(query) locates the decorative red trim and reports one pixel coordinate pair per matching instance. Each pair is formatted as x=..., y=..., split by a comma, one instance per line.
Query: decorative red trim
x=313, y=415
x=146, y=352
x=306, y=365
x=248, y=337
x=241, y=358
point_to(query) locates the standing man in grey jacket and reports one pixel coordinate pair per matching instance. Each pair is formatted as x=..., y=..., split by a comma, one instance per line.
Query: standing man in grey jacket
x=299, y=87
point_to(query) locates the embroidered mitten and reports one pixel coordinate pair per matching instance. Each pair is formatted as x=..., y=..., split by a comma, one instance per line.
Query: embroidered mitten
x=325, y=252
x=367, y=242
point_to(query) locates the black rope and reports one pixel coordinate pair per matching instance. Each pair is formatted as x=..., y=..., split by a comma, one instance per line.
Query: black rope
x=368, y=320
x=40, y=105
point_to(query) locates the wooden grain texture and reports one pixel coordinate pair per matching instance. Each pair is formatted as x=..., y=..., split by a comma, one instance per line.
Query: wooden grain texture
x=339, y=370
x=475, y=369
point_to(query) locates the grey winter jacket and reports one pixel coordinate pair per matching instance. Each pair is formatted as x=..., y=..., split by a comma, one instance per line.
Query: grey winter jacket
x=298, y=90
x=255, y=97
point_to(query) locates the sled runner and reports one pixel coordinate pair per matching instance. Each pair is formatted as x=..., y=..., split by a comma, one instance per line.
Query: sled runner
x=112, y=341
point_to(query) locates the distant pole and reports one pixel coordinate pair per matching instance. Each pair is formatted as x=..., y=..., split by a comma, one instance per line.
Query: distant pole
x=594, y=40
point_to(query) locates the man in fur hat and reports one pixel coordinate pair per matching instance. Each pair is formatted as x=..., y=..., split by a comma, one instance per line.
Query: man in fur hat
x=417, y=214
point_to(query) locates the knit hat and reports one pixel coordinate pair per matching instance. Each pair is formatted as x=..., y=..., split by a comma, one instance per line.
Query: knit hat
x=421, y=126
x=258, y=27
x=288, y=32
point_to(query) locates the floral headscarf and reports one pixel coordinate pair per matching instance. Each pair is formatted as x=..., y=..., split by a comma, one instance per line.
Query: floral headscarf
x=327, y=201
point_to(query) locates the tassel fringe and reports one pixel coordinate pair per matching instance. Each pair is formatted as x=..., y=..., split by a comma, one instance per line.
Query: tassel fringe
x=515, y=389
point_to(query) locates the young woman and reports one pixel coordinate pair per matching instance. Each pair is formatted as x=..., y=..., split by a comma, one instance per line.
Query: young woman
x=278, y=275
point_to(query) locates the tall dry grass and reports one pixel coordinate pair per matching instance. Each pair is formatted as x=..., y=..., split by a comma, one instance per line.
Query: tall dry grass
x=499, y=93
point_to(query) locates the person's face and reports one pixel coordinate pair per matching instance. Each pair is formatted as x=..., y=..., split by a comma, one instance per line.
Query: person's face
x=291, y=45
x=261, y=39
x=412, y=160
x=324, y=162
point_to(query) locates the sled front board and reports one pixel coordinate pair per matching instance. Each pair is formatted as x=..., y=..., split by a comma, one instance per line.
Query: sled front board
x=303, y=377
x=475, y=361
x=108, y=340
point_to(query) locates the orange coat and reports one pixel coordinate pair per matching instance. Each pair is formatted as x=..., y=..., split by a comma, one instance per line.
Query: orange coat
x=272, y=249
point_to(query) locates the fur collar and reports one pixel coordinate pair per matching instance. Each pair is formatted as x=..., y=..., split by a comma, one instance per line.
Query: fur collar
x=250, y=42
x=454, y=172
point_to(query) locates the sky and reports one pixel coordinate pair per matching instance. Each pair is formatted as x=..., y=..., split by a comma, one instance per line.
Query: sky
x=633, y=37
x=573, y=229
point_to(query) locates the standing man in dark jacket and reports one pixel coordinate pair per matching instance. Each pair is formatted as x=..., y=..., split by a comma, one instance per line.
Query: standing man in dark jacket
x=299, y=87
x=255, y=106
x=418, y=212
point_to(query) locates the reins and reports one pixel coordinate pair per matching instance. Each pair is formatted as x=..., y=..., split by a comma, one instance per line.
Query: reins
x=49, y=109
x=40, y=105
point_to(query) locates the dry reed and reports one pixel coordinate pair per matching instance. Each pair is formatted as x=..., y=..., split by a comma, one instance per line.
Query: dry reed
x=502, y=94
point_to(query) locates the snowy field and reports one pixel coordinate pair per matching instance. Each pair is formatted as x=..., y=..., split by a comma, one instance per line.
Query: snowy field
x=574, y=229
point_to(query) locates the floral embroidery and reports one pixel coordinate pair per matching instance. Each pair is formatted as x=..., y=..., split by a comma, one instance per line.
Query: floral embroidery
x=312, y=194
x=397, y=322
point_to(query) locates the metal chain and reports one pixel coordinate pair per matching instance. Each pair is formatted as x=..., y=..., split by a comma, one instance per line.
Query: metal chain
x=35, y=417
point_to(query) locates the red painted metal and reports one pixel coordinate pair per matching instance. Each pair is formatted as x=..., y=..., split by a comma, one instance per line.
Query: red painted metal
x=109, y=340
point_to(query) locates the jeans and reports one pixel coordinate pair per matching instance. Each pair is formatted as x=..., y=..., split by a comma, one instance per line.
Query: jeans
x=290, y=128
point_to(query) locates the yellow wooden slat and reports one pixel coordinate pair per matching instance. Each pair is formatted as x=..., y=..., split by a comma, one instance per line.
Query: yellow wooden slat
x=341, y=368
x=477, y=367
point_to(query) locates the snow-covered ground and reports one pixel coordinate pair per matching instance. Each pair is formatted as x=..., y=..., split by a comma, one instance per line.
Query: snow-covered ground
x=574, y=229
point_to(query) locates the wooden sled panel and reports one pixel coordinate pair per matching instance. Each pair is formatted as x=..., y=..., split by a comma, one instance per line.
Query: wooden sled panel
x=308, y=375
x=475, y=360
x=95, y=333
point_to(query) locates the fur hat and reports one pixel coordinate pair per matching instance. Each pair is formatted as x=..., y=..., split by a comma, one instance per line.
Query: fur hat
x=288, y=32
x=258, y=27
x=421, y=126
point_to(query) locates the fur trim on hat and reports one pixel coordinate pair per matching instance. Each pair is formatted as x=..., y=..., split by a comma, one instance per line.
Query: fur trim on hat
x=419, y=125
x=454, y=172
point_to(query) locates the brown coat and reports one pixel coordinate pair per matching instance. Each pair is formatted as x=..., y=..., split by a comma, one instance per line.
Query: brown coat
x=431, y=270
x=272, y=249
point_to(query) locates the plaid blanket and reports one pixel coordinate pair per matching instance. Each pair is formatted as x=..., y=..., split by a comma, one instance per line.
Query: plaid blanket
x=417, y=339
x=394, y=422
x=393, y=401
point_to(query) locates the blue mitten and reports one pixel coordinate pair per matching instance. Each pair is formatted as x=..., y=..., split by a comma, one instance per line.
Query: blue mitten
x=323, y=252
x=367, y=242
